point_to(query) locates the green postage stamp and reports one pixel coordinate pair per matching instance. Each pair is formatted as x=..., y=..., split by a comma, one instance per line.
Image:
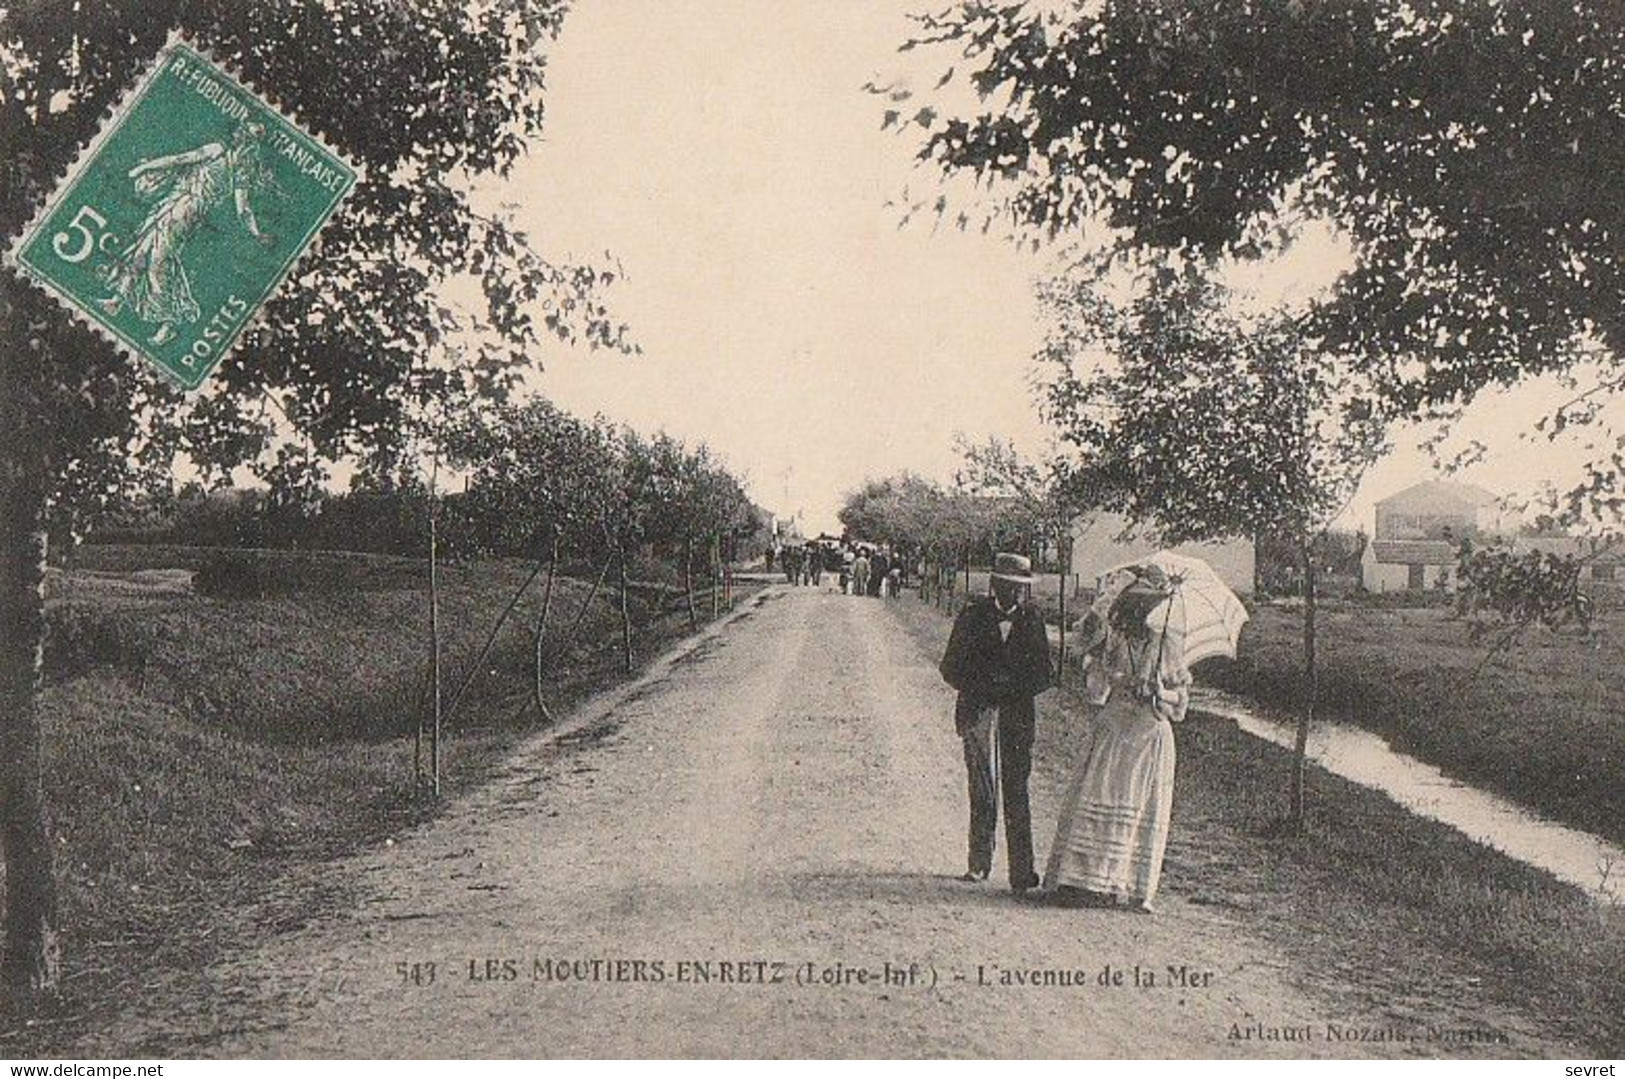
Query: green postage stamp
x=183, y=215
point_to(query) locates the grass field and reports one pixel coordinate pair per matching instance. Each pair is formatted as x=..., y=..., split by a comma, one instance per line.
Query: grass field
x=193, y=745
x=1384, y=906
x=1542, y=722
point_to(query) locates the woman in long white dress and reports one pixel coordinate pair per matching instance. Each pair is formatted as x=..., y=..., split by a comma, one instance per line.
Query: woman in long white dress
x=1114, y=819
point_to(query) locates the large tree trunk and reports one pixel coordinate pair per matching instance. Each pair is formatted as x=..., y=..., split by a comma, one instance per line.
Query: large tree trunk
x=1259, y=588
x=1299, y=815
x=32, y=956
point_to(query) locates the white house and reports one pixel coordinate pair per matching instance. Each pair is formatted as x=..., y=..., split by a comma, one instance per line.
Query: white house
x=1419, y=531
x=1439, y=509
x=1400, y=565
x=1101, y=541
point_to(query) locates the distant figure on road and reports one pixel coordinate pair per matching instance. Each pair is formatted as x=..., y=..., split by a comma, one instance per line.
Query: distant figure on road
x=1113, y=826
x=815, y=563
x=860, y=573
x=998, y=659
x=790, y=560
x=879, y=566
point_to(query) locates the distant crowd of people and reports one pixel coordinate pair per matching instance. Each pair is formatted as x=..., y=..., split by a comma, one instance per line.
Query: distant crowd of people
x=857, y=569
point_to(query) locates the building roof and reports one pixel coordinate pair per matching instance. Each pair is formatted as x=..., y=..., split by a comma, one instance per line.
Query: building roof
x=1431, y=494
x=1414, y=552
x=1574, y=546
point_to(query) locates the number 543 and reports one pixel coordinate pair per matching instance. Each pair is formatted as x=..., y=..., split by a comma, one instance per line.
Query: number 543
x=83, y=238
x=415, y=973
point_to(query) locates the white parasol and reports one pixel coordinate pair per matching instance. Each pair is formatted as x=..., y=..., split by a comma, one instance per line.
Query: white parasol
x=1202, y=611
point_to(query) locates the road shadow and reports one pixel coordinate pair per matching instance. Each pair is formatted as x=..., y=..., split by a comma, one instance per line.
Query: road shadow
x=947, y=891
x=942, y=890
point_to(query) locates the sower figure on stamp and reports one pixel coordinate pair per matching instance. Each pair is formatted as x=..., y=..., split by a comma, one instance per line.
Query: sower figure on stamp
x=998, y=659
x=150, y=274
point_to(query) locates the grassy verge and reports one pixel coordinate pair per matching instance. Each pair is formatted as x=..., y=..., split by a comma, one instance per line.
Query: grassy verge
x=196, y=748
x=1389, y=908
x=1376, y=907
x=1539, y=723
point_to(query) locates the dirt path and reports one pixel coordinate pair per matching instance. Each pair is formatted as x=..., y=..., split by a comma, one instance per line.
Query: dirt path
x=784, y=802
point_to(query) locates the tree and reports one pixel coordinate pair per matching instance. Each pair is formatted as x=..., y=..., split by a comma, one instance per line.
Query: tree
x=922, y=519
x=348, y=358
x=1524, y=588
x=721, y=509
x=1040, y=499
x=898, y=510
x=1046, y=498
x=542, y=482
x=644, y=489
x=532, y=468
x=1211, y=426
x=536, y=488
x=1279, y=568
x=1467, y=149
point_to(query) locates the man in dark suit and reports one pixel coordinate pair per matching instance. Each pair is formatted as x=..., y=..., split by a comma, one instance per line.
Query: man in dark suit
x=879, y=567
x=998, y=660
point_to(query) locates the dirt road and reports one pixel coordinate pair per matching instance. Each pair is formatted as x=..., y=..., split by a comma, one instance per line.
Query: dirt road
x=750, y=852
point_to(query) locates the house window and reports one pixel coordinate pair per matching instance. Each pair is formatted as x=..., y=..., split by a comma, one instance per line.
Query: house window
x=1417, y=579
x=1602, y=572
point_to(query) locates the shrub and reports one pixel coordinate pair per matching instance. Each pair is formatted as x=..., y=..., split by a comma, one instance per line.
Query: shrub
x=235, y=575
x=81, y=637
x=1394, y=601
x=247, y=573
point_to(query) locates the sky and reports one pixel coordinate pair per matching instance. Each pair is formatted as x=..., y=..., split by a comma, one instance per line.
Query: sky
x=728, y=157
x=725, y=153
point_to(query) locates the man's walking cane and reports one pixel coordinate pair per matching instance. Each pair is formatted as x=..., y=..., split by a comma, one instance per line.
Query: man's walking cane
x=993, y=730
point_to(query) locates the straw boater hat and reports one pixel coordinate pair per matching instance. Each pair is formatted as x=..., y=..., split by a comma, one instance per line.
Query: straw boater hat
x=1013, y=567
